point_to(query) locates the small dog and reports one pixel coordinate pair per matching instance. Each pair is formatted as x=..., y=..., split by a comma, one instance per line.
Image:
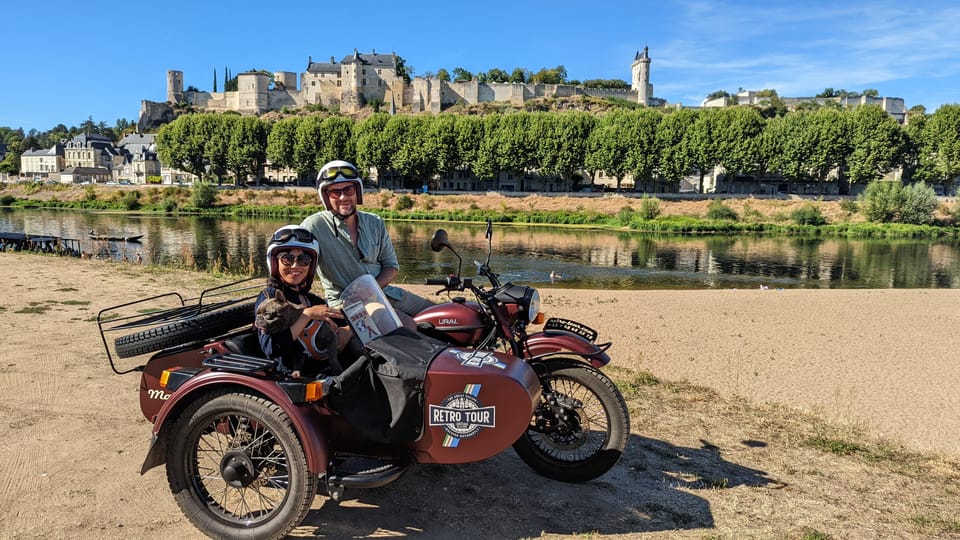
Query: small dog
x=276, y=314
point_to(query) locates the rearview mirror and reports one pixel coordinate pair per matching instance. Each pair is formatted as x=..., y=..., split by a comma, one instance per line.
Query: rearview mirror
x=439, y=241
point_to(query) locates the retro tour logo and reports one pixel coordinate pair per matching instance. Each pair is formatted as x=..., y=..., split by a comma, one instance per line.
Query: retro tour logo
x=479, y=359
x=461, y=415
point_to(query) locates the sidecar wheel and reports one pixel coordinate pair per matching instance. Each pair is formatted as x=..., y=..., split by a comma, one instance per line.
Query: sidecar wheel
x=580, y=428
x=237, y=469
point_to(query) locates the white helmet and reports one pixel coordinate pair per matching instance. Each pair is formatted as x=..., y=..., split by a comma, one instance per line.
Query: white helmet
x=289, y=237
x=338, y=172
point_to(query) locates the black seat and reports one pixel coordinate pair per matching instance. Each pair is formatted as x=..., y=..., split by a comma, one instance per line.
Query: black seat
x=245, y=343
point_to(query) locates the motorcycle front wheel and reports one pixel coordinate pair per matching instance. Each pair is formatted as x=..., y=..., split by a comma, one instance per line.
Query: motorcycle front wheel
x=237, y=469
x=580, y=428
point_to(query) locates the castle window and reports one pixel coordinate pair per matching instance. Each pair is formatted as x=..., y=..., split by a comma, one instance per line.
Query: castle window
x=363, y=82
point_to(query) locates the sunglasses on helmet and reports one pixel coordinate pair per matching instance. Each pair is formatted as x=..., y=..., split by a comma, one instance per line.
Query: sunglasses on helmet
x=347, y=172
x=283, y=236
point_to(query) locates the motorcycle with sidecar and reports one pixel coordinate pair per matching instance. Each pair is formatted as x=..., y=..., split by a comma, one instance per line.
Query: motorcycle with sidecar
x=246, y=448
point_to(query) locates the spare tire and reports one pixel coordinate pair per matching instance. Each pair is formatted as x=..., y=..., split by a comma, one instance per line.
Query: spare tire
x=197, y=328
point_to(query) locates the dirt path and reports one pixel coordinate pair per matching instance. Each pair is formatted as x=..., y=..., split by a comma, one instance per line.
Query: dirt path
x=700, y=463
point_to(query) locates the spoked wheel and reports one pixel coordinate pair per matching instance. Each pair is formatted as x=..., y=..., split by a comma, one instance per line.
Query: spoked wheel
x=237, y=468
x=580, y=428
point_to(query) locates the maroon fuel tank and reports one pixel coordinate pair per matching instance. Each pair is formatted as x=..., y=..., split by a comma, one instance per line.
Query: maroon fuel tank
x=476, y=404
x=458, y=322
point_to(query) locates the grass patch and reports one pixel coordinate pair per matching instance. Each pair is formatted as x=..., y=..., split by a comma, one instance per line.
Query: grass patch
x=33, y=310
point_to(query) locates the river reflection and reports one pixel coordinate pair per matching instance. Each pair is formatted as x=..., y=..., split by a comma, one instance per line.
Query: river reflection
x=584, y=259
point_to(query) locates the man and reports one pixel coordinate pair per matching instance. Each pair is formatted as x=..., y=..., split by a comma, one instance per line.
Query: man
x=353, y=243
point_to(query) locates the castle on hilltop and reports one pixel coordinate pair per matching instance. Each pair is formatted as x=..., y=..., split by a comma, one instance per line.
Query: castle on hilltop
x=359, y=79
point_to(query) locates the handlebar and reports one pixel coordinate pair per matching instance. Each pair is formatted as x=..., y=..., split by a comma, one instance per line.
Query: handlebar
x=437, y=281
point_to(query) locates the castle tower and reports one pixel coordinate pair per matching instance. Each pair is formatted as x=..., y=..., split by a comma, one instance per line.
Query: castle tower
x=640, y=70
x=252, y=88
x=174, y=86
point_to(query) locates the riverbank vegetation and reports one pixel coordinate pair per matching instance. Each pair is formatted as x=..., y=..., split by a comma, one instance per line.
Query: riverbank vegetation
x=886, y=210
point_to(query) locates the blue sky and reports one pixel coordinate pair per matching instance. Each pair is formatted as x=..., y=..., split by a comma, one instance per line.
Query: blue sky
x=67, y=61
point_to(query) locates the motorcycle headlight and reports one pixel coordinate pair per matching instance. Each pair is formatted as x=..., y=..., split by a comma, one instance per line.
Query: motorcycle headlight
x=527, y=300
x=533, y=306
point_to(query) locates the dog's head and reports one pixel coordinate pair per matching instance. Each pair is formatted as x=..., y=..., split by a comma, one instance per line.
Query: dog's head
x=276, y=314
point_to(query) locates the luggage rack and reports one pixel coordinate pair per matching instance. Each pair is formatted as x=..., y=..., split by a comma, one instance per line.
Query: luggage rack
x=131, y=316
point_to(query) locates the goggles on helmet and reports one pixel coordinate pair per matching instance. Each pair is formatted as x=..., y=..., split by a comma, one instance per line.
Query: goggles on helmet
x=283, y=235
x=347, y=172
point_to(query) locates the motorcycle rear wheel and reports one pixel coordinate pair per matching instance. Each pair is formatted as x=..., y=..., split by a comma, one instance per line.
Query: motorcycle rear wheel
x=580, y=428
x=237, y=469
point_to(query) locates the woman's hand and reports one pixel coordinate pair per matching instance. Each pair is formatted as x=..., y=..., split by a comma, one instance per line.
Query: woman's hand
x=321, y=313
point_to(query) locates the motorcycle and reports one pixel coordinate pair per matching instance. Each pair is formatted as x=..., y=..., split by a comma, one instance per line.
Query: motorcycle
x=246, y=448
x=580, y=427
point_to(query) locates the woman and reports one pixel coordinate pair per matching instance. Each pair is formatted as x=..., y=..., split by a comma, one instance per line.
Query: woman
x=309, y=345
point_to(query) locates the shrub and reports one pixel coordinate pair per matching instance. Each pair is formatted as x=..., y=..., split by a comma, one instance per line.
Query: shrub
x=169, y=204
x=7, y=199
x=203, y=195
x=919, y=203
x=625, y=215
x=717, y=210
x=751, y=214
x=649, y=207
x=850, y=207
x=891, y=202
x=131, y=200
x=89, y=193
x=427, y=202
x=808, y=214
x=404, y=202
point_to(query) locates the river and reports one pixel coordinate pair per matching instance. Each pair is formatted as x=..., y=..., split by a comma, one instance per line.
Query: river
x=575, y=258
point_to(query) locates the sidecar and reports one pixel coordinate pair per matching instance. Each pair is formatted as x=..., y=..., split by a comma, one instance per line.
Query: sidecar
x=246, y=448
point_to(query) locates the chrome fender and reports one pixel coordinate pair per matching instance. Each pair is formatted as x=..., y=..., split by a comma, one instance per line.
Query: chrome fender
x=305, y=419
x=542, y=345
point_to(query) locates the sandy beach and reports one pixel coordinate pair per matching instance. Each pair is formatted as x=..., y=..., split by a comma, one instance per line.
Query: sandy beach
x=885, y=360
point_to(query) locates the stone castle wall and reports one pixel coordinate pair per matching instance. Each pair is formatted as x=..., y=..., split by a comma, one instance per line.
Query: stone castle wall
x=354, y=86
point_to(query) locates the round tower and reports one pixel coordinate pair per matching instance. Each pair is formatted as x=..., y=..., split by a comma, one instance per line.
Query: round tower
x=640, y=71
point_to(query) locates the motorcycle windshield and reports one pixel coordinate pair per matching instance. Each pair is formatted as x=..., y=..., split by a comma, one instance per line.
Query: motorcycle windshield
x=368, y=310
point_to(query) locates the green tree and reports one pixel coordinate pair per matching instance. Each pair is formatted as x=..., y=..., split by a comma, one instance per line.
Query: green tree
x=309, y=145
x=412, y=158
x=404, y=71
x=181, y=144
x=337, y=140
x=216, y=130
x=497, y=75
x=556, y=75
x=738, y=139
x=878, y=144
x=562, y=142
x=443, y=74
x=519, y=75
x=939, y=146
x=675, y=160
x=461, y=75
x=373, y=150
x=203, y=195
x=247, y=151
x=281, y=142
x=701, y=143
x=441, y=142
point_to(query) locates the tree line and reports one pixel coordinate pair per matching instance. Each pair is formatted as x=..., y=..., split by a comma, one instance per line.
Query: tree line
x=653, y=146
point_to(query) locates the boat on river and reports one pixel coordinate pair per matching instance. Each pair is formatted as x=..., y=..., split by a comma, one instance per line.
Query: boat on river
x=135, y=239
